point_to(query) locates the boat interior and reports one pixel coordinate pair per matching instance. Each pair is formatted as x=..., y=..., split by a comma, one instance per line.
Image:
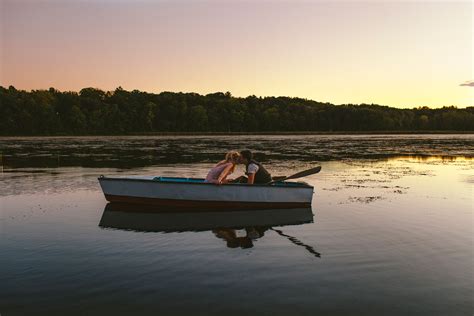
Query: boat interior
x=200, y=180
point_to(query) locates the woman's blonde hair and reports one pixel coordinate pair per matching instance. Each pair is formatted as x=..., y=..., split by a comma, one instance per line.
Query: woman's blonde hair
x=232, y=156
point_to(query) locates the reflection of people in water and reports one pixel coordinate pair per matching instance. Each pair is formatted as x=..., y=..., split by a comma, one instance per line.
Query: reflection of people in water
x=230, y=236
x=253, y=233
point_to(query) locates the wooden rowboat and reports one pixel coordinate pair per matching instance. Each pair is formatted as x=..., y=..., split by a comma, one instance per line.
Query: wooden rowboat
x=193, y=193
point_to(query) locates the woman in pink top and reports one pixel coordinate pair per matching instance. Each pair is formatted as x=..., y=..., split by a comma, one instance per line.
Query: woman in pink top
x=219, y=173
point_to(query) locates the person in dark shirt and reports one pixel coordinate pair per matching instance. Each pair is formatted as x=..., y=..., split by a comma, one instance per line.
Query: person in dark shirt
x=256, y=173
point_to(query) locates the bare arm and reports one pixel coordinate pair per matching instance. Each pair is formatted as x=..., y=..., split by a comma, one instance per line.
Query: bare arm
x=251, y=178
x=224, y=174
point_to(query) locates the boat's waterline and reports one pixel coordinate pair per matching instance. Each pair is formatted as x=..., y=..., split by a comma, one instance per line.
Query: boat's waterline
x=195, y=194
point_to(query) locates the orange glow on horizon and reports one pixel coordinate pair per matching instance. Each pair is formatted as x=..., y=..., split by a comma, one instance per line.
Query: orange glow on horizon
x=403, y=54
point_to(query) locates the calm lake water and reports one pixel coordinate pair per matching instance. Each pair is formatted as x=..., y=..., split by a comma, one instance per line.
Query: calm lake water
x=390, y=231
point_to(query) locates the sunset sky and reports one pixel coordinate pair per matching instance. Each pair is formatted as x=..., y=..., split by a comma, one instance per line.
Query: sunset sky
x=397, y=53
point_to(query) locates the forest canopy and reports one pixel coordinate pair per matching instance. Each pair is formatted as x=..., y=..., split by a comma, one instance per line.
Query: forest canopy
x=92, y=111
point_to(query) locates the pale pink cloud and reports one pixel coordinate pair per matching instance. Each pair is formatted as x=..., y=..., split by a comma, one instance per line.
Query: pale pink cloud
x=468, y=84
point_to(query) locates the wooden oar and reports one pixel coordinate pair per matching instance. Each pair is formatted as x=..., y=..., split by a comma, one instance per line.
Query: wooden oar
x=300, y=174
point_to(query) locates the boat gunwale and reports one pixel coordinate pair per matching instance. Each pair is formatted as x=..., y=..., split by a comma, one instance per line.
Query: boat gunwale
x=301, y=186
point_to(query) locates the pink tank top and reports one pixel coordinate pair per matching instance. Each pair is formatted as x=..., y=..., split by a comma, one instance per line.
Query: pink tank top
x=215, y=172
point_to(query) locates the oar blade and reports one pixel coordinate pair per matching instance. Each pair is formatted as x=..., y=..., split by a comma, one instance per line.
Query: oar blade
x=305, y=173
x=300, y=174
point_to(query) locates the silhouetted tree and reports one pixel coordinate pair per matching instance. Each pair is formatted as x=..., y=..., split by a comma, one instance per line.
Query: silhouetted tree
x=93, y=111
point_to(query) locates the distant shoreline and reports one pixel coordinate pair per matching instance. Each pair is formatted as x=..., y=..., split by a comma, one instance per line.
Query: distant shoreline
x=95, y=112
x=249, y=133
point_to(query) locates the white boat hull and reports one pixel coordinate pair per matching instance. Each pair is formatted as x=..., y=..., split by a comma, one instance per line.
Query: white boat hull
x=171, y=194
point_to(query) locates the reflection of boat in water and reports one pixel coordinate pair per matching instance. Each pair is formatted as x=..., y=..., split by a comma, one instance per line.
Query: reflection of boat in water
x=130, y=217
x=193, y=193
x=236, y=228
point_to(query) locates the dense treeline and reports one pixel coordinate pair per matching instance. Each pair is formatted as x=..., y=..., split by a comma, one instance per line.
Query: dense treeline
x=92, y=111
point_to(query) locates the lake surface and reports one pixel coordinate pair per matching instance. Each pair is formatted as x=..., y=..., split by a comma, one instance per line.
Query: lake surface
x=390, y=231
